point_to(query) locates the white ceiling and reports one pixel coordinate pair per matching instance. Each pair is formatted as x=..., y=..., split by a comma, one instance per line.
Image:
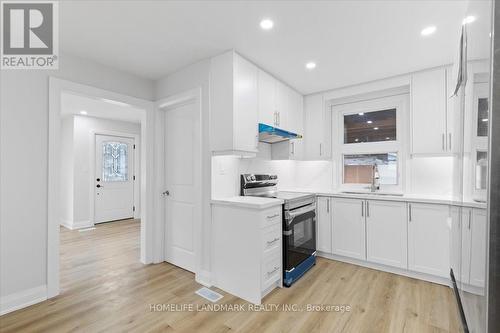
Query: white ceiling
x=351, y=41
x=72, y=104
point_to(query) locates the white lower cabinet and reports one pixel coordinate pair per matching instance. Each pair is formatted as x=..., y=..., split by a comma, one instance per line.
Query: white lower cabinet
x=386, y=231
x=247, y=250
x=429, y=239
x=348, y=232
x=478, y=248
x=324, y=224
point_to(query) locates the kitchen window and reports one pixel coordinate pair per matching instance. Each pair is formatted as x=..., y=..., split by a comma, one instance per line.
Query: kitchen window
x=359, y=168
x=374, y=126
x=370, y=143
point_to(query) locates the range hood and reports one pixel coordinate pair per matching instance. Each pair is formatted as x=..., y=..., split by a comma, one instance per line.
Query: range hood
x=270, y=134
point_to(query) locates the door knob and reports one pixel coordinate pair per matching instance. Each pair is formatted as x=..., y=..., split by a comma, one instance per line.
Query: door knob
x=166, y=193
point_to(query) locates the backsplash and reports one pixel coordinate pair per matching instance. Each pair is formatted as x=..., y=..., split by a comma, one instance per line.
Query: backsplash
x=426, y=175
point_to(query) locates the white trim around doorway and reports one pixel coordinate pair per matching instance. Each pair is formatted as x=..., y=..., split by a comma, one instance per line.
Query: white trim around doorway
x=150, y=249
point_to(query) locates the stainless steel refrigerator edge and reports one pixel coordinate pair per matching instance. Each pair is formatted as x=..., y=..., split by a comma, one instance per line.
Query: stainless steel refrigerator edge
x=493, y=309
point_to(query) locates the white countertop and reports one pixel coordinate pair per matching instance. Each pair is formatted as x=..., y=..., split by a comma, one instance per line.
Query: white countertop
x=248, y=202
x=434, y=199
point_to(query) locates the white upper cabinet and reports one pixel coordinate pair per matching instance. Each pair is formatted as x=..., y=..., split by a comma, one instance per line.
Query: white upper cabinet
x=234, y=105
x=283, y=105
x=429, y=239
x=317, y=129
x=348, y=232
x=267, y=99
x=279, y=105
x=386, y=233
x=431, y=133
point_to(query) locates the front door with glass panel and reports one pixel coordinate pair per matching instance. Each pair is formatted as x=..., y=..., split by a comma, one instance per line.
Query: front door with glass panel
x=114, y=178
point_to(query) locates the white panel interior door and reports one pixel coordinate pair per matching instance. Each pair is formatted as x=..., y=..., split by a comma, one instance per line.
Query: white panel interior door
x=182, y=151
x=114, y=185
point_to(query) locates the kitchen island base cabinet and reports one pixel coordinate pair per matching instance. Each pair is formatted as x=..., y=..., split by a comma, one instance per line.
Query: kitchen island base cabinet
x=348, y=231
x=247, y=250
x=386, y=230
x=429, y=239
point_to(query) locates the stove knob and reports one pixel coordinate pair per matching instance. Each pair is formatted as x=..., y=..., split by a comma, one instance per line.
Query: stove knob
x=249, y=178
x=253, y=178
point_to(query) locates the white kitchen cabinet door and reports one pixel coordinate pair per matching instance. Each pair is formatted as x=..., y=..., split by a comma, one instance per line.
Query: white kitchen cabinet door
x=234, y=102
x=386, y=233
x=348, y=232
x=295, y=114
x=465, y=240
x=453, y=119
x=245, y=105
x=324, y=225
x=429, y=239
x=317, y=129
x=428, y=114
x=283, y=104
x=267, y=99
x=456, y=242
x=478, y=248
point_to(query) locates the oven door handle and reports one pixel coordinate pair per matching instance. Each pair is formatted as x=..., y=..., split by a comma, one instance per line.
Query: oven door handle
x=289, y=216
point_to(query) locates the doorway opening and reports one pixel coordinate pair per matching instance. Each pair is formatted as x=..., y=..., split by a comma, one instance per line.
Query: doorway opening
x=100, y=192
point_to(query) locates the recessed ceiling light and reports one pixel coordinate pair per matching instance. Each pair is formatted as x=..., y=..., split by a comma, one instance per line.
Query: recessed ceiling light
x=361, y=113
x=375, y=128
x=112, y=101
x=469, y=19
x=484, y=119
x=83, y=112
x=369, y=122
x=266, y=24
x=311, y=65
x=428, y=30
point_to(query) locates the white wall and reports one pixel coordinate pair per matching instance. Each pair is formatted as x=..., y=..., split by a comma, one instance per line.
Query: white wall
x=23, y=164
x=78, y=157
x=193, y=77
x=67, y=170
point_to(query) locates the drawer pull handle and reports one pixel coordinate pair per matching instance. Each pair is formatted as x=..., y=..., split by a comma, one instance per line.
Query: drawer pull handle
x=274, y=270
x=273, y=241
x=273, y=216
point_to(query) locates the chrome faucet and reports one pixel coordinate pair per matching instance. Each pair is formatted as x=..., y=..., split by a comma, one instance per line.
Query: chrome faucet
x=375, y=186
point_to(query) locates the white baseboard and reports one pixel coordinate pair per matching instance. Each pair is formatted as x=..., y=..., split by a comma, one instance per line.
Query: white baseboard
x=22, y=299
x=72, y=225
x=203, y=278
x=389, y=269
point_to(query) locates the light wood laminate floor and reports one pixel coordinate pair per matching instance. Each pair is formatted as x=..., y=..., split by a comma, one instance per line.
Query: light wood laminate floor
x=104, y=288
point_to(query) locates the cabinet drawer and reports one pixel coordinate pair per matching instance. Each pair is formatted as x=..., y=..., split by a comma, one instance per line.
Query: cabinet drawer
x=271, y=216
x=271, y=269
x=271, y=239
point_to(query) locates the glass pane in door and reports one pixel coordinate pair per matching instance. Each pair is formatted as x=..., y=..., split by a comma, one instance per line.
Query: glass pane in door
x=114, y=161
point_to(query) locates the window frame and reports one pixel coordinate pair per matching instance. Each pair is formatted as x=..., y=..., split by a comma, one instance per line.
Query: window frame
x=400, y=102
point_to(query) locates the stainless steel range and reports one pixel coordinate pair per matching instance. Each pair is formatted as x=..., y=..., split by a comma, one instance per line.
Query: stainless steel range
x=299, y=223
